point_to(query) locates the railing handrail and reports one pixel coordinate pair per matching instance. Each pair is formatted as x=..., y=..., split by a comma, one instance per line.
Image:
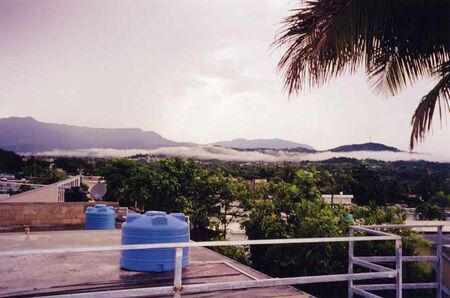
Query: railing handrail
x=195, y=244
x=398, y=259
x=367, y=262
x=399, y=226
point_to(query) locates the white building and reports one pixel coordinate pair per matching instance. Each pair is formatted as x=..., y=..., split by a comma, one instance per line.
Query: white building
x=338, y=199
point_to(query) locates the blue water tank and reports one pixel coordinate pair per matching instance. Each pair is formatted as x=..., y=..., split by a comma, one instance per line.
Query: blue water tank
x=153, y=227
x=350, y=218
x=100, y=217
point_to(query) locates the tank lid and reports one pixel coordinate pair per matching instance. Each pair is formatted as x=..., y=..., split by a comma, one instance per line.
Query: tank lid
x=180, y=216
x=100, y=208
x=153, y=212
x=158, y=220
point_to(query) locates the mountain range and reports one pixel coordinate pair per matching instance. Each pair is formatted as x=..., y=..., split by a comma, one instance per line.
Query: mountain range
x=29, y=135
x=262, y=144
x=26, y=134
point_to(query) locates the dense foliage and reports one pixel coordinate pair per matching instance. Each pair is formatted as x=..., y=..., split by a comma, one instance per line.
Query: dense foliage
x=295, y=210
x=370, y=181
x=175, y=185
x=435, y=207
x=77, y=165
x=40, y=171
x=10, y=162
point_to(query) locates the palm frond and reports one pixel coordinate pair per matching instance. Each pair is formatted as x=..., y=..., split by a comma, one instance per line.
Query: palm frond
x=397, y=41
x=439, y=95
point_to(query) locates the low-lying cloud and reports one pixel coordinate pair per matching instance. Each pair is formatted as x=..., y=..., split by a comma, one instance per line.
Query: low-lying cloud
x=228, y=154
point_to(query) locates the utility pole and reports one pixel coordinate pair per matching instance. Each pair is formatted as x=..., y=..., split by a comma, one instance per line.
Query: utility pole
x=332, y=187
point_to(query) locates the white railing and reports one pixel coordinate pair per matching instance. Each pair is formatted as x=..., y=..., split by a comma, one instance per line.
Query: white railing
x=178, y=288
x=372, y=263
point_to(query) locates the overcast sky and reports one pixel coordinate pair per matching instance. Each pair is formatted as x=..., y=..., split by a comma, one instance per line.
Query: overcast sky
x=199, y=71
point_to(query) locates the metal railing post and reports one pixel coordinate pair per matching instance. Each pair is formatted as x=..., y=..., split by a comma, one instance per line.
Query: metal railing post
x=398, y=268
x=439, y=264
x=351, y=248
x=177, y=288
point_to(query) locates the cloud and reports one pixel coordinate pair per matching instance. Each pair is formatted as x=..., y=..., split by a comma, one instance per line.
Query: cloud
x=228, y=154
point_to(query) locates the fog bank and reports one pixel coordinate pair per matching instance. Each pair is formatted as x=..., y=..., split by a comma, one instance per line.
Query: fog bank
x=228, y=154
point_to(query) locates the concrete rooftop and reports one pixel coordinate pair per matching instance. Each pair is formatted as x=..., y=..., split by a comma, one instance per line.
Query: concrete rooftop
x=31, y=275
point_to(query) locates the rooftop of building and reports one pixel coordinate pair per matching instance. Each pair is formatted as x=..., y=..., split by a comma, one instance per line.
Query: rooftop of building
x=68, y=273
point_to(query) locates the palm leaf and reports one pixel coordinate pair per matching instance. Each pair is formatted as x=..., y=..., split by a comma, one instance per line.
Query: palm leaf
x=439, y=95
x=397, y=41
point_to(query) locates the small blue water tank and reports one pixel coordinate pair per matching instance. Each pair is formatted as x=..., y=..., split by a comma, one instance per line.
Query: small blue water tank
x=100, y=217
x=350, y=218
x=153, y=227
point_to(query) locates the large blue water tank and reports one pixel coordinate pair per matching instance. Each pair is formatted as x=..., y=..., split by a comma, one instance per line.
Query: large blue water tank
x=153, y=227
x=100, y=217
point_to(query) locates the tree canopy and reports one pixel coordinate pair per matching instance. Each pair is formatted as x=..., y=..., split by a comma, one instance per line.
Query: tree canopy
x=174, y=185
x=10, y=162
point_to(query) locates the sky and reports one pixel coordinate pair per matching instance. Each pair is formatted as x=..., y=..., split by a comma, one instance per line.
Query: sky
x=190, y=70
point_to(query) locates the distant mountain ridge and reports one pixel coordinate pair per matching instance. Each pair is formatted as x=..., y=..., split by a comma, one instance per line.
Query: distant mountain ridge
x=364, y=147
x=26, y=134
x=262, y=144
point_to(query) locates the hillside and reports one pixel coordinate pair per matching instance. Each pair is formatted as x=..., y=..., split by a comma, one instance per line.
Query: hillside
x=262, y=144
x=364, y=147
x=29, y=135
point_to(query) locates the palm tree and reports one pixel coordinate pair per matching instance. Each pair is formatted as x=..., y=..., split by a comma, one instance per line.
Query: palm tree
x=397, y=42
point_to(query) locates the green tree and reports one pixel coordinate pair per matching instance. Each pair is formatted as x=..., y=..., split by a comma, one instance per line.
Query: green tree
x=177, y=185
x=232, y=194
x=74, y=165
x=288, y=210
x=10, y=162
x=49, y=176
x=434, y=209
x=441, y=199
x=367, y=186
x=117, y=173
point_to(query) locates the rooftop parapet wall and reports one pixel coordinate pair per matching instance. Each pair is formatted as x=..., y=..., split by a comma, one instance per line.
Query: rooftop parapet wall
x=44, y=214
x=46, y=193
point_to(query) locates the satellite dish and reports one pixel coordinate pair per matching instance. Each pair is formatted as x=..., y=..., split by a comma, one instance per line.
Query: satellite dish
x=98, y=191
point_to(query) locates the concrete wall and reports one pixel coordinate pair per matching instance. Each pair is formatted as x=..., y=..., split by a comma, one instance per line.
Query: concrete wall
x=44, y=214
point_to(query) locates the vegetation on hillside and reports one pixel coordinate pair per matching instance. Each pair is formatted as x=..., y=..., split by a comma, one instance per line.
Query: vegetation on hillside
x=38, y=170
